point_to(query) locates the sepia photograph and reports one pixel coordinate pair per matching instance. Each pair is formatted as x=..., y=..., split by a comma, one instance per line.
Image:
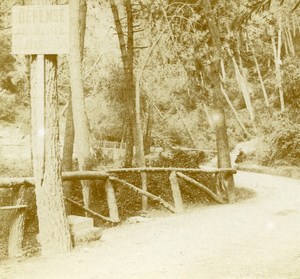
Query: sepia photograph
x=149, y=139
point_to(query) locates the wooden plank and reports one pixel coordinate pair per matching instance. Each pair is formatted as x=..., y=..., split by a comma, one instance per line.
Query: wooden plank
x=145, y=193
x=176, y=192
x=201, y=186
x=111, y=201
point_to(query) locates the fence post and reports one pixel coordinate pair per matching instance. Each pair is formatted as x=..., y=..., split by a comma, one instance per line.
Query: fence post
x=17, y=224
x=145, y=188
x=111, y=201
x=176, y=192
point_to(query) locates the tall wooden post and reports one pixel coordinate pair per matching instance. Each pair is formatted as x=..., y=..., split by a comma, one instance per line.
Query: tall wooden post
x=54, y=235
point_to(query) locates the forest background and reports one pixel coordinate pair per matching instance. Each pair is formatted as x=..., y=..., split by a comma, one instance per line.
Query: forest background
x=172, y=56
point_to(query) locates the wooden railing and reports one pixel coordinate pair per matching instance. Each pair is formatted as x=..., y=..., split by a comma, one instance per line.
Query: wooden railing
x=111, y=179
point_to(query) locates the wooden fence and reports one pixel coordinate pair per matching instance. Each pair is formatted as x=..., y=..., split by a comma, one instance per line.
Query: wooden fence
x=110, y=180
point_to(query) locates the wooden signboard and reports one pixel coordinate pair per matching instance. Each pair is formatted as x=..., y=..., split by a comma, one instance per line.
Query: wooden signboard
x=40, y=29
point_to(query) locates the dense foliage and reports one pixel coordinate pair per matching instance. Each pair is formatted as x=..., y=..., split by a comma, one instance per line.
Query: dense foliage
x=173, y=50
x=282, y=145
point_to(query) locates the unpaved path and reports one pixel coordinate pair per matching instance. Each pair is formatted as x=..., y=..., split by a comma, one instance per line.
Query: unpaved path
x=256, y=238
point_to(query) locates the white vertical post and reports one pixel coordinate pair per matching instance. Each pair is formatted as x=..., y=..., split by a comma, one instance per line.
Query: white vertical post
x=176, y=192
x=111, y=201
x=37, y=115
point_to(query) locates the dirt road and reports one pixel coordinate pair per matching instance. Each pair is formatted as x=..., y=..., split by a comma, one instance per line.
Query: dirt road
x=256, y=238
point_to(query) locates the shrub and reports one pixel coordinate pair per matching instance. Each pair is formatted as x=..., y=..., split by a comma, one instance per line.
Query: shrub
x=7, y=107
x=282, y=145
x=158, y=183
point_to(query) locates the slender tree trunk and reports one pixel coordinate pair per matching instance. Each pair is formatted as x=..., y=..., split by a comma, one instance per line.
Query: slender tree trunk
x=260, y=78
x=278, y=74
x=129, y=144
x=220, y=123
x=133, y=97
x=208, y=116
x=184, y=124
x=235, y=113
x=277, y=54
x=139, y=141
x=149, y=124
x=242, y=83
x=81, y=125
x=67, y=158
x=129, y=101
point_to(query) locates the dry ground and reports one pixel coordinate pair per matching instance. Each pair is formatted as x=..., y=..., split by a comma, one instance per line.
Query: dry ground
x=256, y=238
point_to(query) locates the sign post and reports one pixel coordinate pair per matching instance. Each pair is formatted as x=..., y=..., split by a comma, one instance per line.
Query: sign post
x=42, y=31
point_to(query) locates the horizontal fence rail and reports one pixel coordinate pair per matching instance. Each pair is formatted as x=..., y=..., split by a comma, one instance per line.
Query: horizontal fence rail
x=102, y=175
x=156, y=169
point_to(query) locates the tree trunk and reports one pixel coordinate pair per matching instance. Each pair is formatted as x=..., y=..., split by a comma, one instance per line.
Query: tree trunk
x=260, y=77
x=277, y=59
x=133, y=97
x=54, y=235
x=129, y=144
x=235, y=113
x=81, y=126
x=149, y=125
x=82, y=24
x=220, y=124
x=67, y=158
x=184, y=124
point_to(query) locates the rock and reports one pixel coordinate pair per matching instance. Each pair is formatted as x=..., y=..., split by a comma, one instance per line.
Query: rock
x=137, y=219
x=82, y=230
x=78, y=223
x=85, y=236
